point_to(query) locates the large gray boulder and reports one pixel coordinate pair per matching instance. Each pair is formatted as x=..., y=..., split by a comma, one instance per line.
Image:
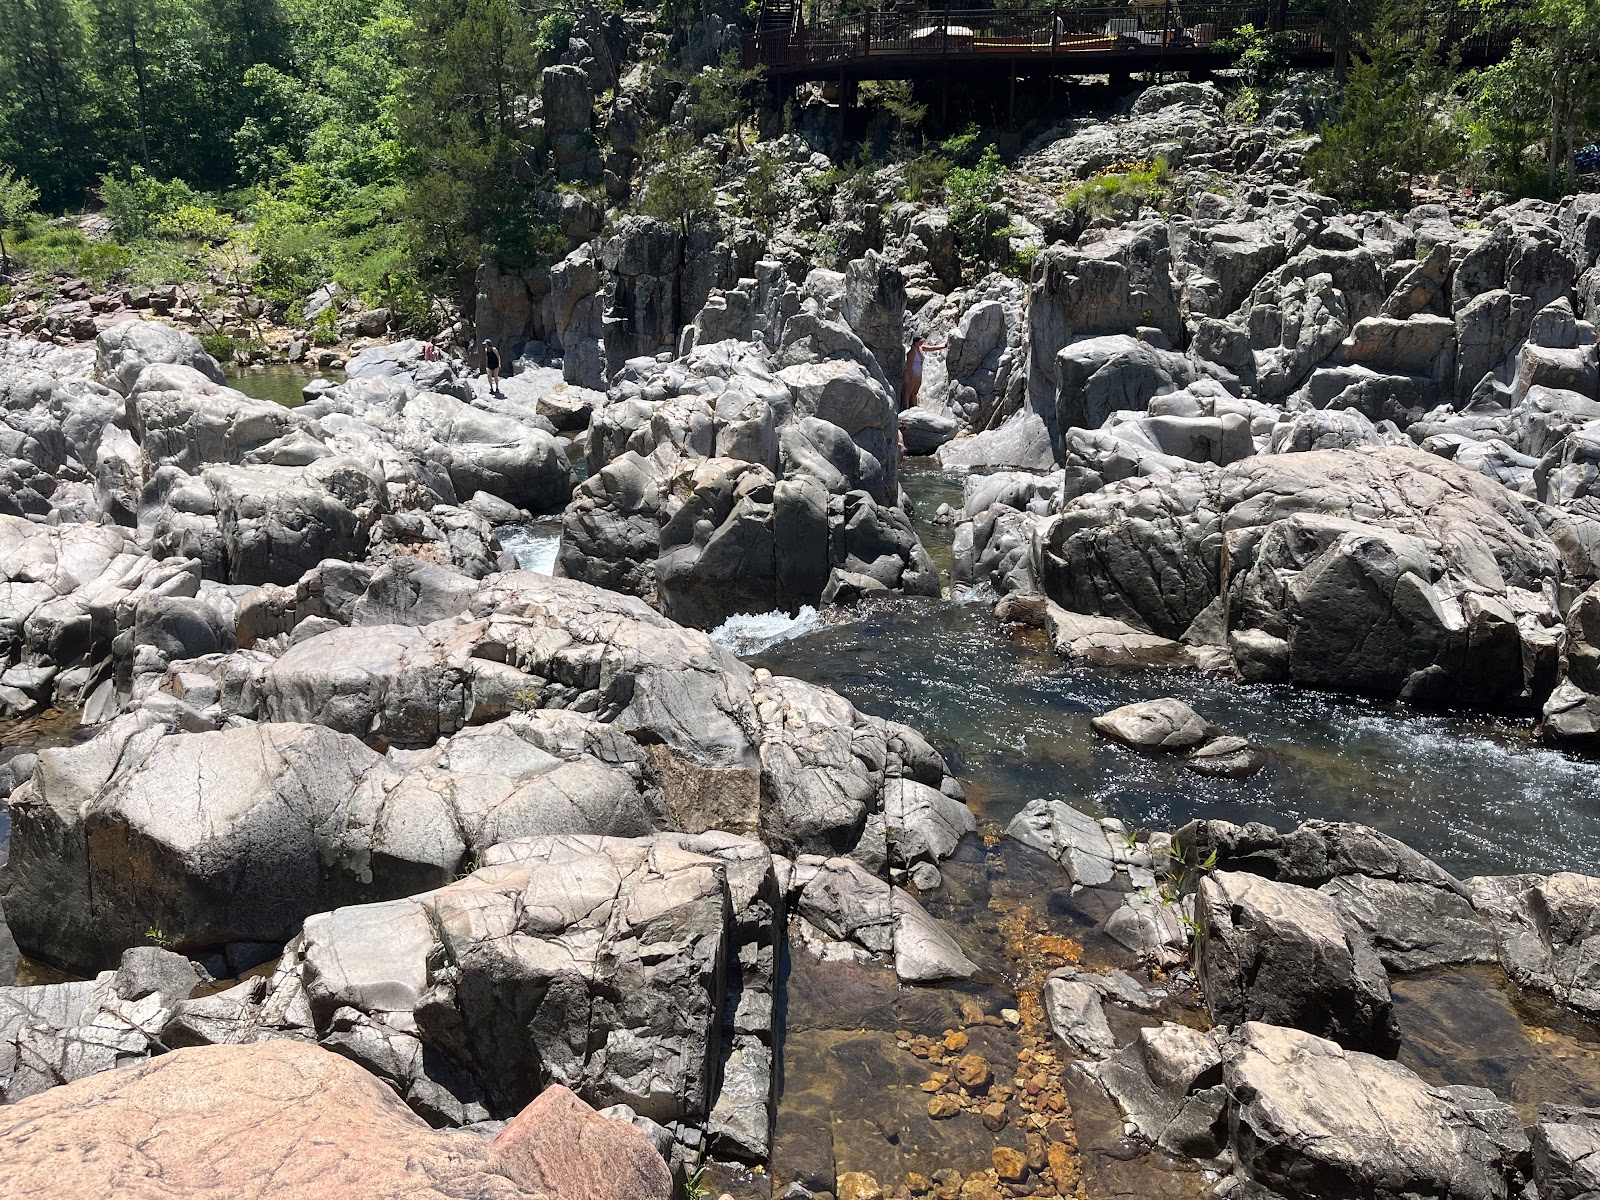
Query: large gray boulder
x=208, y=839
x=629, y=960
x=1113, y=282
x=1415, y=914
x=1546, y=929
x=726, y=482
x=1278, y=953
x=731, y=748
x=184, y=418
x=405, y=362
x=1407, y=575
x=1102, y=375
x=66, y=592
x=1566, y=1152
x=56, y=1033
x=1165, y=724
x=126, y=349
x=447, y=445
x=1312, y=1119
x=1168, y=1081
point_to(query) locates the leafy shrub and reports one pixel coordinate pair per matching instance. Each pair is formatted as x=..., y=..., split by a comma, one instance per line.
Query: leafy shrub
x=1506, y=109
x=925, y=177
x=196, y=222
x=219, y=345
x=140, y=204
x=49, y=248
x=682, y=188
x=293, y=257
x=99, y=261
x=965, y=149
x=157, y=264
x=551, y=34
x=763, y=193
x=1021, y=264
x=325, y=329
x=1390, y=129
x=971, y=194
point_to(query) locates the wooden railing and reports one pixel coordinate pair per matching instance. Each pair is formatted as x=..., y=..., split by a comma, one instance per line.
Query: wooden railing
x=1046, y=36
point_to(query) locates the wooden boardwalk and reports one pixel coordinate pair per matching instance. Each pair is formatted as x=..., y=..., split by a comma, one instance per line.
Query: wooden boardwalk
x=907, y=43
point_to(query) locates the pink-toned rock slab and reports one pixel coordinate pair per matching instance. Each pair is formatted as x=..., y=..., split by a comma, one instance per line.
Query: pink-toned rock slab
x=285, y=1119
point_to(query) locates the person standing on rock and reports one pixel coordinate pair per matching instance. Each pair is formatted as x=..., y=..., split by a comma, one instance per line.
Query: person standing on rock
x=491, y=365
x=911, y=381
x=911, y=385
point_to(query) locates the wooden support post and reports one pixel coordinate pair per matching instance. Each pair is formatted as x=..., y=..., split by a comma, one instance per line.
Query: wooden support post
x=1011, y=102
x=844, y=101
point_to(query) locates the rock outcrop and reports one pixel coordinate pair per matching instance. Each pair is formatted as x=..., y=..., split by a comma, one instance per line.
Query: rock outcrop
x=283, y=1117
x=726, y=482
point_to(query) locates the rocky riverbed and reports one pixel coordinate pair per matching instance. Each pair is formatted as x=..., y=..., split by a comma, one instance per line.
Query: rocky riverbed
x=1165, y=776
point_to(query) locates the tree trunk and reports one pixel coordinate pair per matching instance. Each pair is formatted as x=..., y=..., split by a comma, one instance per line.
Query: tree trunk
x=5, y=259
x=138, y=77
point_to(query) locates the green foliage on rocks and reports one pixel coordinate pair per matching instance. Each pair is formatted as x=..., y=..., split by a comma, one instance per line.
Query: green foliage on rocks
x=1395, y=123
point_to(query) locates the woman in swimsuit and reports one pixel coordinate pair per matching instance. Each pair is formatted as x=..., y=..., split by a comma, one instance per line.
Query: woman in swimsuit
x=911, y=385
x=911, y=381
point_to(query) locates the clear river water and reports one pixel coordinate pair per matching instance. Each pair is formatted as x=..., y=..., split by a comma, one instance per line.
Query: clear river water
x=1473, y=792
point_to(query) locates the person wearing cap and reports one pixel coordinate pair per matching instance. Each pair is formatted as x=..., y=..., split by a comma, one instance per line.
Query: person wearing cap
x=491, y=365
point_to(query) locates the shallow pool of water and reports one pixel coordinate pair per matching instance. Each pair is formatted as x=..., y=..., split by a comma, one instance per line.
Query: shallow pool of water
x=928, y=487
x=280, y=384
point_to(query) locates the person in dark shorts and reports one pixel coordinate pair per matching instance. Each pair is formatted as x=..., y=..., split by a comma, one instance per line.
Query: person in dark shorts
x=491, y=365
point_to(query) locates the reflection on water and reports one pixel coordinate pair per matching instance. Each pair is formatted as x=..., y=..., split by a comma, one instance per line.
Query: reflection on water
x=280, y=384
x=854, y=1089
x=1471, y=792
x=928, y=488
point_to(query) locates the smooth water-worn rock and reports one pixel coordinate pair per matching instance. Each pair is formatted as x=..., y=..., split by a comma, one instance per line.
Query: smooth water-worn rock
x=1278, y=953
x=124, y=351
x=1311, y=1118
x=286, y=1118
x=1164, y=724
x=726, y=482
x=1408, y=576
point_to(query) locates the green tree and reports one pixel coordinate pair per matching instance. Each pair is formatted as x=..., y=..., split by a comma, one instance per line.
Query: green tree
x=681, y=189
x=721, y=96
x=471, y=166
x=1392, y=126
x=971, y=194
x=1505, y=117
x=45, y=104
x=17, y=198
x=1561, y=43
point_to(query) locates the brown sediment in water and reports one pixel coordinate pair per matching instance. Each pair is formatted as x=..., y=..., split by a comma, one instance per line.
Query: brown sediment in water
x=52, y=727
x=1024, y=1092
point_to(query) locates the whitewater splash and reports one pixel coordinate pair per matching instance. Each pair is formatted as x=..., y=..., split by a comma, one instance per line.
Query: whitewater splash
x=751, y=633
x=533, y=546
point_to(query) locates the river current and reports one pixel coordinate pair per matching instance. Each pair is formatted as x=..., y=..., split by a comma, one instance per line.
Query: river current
x=1473, y=792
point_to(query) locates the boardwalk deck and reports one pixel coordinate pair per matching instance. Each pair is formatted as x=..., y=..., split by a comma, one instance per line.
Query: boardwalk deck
x=905, y=43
